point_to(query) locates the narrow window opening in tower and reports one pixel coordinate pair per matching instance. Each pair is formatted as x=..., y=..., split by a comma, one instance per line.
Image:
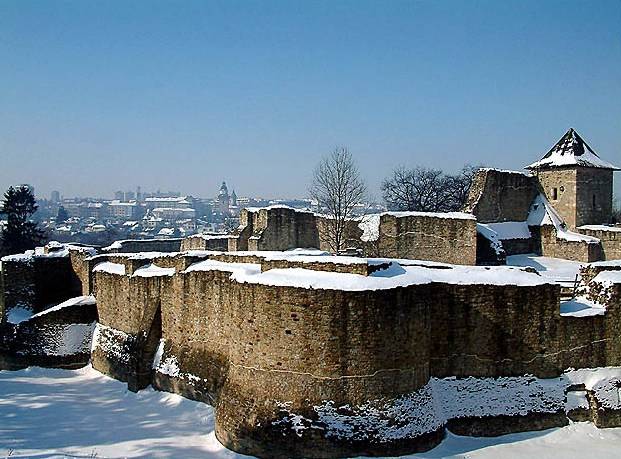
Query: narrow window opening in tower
x=554, y=194
x=594, y=202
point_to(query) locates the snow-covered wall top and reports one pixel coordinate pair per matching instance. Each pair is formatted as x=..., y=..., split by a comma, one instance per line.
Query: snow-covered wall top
x=393, y=277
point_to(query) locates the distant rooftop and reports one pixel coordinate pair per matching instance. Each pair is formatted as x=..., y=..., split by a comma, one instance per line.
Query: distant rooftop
x=571, y=150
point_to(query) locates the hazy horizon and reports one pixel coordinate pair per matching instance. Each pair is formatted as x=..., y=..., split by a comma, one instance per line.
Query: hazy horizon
x=99, y=97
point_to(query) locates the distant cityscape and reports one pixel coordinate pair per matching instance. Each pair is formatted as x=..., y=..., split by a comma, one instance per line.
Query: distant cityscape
x=141, y=215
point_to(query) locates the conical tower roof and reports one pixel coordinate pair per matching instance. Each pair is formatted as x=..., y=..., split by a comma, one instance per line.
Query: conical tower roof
x=571, y=150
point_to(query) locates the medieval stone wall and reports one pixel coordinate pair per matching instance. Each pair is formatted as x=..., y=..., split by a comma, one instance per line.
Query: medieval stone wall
x=500, y=196
x=256, y=347
x=129, y=329
x=363, y=268
x=37, y=282
x=281, y=228
x=292, y=359
x=610, y=241
x=427, y=237
x=268, y=350
x=205, y=242
x=145, y=245
x=410, y=235
x=491, y=331
x=553, y=246
x=58, y=338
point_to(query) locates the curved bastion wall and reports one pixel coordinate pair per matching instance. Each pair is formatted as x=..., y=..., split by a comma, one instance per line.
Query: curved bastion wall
x=344, y=363
x=303, y=354
x=256, y=348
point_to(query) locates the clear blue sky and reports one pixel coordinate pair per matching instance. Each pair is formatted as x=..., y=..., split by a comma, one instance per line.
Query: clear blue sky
x=106, y=95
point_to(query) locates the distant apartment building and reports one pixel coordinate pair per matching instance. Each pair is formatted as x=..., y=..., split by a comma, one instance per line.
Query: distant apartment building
x=173, y=213
x=176, y=202
x=123, y=210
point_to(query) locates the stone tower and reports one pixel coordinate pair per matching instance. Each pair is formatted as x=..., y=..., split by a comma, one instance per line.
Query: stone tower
x=576, y=181
x=224, y=199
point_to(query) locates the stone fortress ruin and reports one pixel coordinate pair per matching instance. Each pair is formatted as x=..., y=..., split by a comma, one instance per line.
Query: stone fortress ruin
x=307, y=354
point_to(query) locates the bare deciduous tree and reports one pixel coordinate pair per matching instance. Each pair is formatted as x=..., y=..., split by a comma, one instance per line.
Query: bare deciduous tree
x=458, y=187
x=337, y=187
x=427, y=190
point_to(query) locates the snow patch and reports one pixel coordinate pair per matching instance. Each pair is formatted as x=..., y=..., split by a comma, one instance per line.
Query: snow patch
x=77, y=301
x=112, y=342
x=542, y=213
x=370, y=226
x=110, y=268
x=614, y=229
x=581, y=307
x=65, y=339
x=509, y=230
x=152, y=270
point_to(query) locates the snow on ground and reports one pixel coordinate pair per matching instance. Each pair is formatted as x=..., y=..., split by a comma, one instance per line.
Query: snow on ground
x=576, y=441
x=581, y=307
x=55, y=413
x=553, y=269
x=51, y=413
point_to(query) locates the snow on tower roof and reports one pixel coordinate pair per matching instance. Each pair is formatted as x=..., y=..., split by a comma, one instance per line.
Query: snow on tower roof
x=571, y=150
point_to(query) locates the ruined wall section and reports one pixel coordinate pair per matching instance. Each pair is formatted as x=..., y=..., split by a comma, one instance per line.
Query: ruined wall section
x=501, y=196
x=595, y=341
x=205, y=242
x=610, y=240
x=37, y=282
x=145, y=245
x=310, y=367
x=239, y=237
x=550, y=245
x=431, y=237
x=283, y=228
x=58, y=337
x=128, y=331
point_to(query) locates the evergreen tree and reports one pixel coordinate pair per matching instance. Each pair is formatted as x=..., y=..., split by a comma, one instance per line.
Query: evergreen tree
x=62, y=216
x=19, y=234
